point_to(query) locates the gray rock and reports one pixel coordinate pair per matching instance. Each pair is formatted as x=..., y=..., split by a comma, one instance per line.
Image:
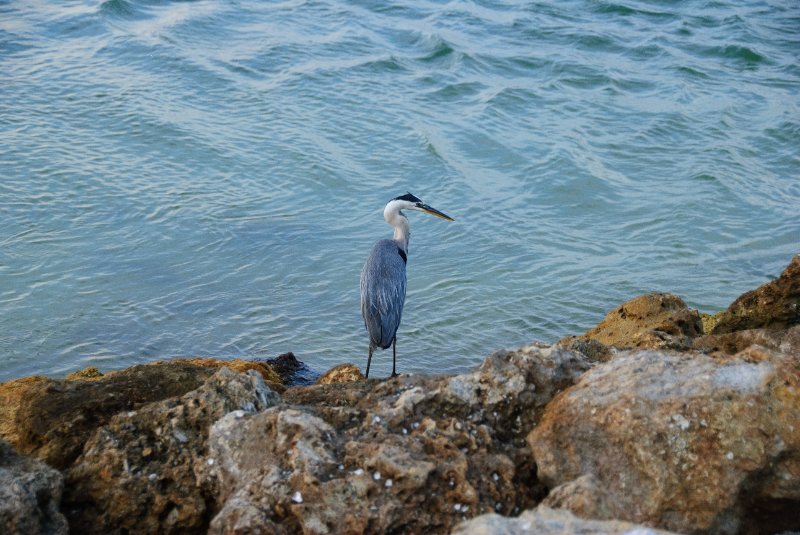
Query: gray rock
x=30, y=492
x=546, y=521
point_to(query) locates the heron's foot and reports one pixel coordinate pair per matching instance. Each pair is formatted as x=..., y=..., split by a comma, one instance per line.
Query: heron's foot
x=394, y=374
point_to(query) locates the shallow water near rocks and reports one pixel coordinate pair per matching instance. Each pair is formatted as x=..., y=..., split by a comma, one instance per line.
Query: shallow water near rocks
x=207, y=178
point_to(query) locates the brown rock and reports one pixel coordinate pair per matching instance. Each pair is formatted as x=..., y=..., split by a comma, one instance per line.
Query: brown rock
x=546, y=521
x=774, y=305
x=406, y=455
x=239, y=365
x=12, y=394
x=87, y=374
x=343, y=373
x=785, y=341
x=681, y=441
x=30, y=492
x=53, y=419
x=137, y=472
x=657, y=321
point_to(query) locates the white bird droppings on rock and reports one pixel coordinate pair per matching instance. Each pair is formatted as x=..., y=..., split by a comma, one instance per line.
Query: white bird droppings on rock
x=376, y=476
x=297, y=497
x=358, y=472
x=729, y=455
x=388, y=483
x=210, y=462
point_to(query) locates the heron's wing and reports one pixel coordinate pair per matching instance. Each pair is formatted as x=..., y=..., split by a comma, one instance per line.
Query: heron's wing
x=383, y=292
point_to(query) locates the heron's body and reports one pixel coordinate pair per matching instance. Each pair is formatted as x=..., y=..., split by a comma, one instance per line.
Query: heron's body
x=383, y=279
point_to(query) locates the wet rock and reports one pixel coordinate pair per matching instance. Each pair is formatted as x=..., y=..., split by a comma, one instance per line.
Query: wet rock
x=292, y=371
x=343, y=373
x=137, y=472
x=684, y=442
x=784, y=341
x=546, y=521
x=53, y=419
x=30, y=492
x=594, y=350
x=409, y=454
x=656, y=321
x=774, y=305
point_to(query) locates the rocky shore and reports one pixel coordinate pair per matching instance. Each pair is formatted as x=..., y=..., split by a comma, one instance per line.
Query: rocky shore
x=660, y=419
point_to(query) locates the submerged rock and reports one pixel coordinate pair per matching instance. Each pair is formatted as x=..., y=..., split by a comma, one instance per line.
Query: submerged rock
x=774, y=305
x=681, y=441
x=546, y=521
x=656, y=321
x=137, y=472
x=30, y=492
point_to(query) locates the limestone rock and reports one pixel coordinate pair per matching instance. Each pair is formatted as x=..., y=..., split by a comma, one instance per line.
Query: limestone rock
x=53, y=419
x=407, y=455
x=137, y=472
x=656, y=321
x=87, y=374
x=343, y=373
x=684, y=442
x=546, y=521
x=774, y=305
x=30, y=492
x=240, y=365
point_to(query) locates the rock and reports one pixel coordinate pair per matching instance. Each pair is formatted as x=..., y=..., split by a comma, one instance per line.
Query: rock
x=12, y=394
x=784, y=341
x=53, y=419
x=343, y=373
x=684, y=442
x=410, y=454
x=30, y=492
x=291, y=371
x=137, y=472
x=264, y=369
x=87, y=374
x=656, y=321
x=594, y=350
x=774, y=305
x=546, y=521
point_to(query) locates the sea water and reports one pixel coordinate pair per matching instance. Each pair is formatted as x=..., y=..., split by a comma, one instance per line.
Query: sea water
x=207, y=178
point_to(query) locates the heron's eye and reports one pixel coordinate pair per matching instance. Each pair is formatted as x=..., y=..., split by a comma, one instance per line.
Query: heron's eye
x=419, y=205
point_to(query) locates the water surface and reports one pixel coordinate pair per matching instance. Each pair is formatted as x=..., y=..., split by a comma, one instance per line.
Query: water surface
x=207, y=178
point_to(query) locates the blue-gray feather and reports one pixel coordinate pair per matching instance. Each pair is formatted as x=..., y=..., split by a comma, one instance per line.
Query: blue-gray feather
x=383, y=292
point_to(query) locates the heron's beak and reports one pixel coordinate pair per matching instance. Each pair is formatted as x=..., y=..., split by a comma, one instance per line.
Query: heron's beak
x=433, y=211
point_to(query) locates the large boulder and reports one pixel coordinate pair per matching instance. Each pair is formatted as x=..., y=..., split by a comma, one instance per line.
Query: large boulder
x=546, y=521
x=785, y=341
x=655, y=321
x=411, y=454
x=137, y=472
x=30, y=492
x=774, y=305
x=684, y=442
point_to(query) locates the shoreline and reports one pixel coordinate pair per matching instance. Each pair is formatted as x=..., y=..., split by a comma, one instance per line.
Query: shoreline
x=658, y=417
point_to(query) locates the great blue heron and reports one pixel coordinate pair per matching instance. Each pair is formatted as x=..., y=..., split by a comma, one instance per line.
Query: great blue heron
x=383, y=279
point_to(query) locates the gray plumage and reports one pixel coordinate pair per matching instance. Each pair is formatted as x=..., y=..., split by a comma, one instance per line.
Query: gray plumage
x=383, y=279
x=383, y=293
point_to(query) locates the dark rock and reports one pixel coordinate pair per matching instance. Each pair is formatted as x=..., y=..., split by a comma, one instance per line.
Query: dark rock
x=785, y=341
x=774, y=305
x=55, y=418
x=30, y=492
x=292, y=371
x=137, y=472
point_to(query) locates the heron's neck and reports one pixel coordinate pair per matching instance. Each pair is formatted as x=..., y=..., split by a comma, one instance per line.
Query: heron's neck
x=400, y=224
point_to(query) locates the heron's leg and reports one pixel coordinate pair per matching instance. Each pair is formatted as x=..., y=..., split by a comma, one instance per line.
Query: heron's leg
x=369, y=359
x=394, y=355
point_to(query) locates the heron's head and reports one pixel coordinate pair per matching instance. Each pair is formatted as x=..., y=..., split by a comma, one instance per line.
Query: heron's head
x=410, y=202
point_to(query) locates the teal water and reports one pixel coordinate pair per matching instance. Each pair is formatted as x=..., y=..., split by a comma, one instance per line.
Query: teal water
x=207, y=178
